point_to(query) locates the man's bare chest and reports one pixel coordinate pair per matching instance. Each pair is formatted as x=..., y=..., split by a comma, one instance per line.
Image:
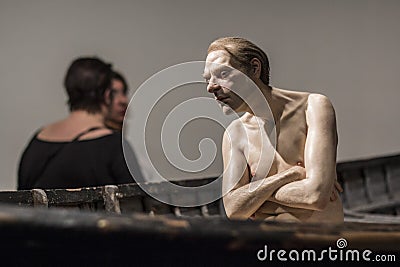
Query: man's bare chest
x=290, y=142
x=264, y=149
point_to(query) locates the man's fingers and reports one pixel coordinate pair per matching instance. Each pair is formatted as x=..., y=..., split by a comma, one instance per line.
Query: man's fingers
x=335, y=192
x=338, y=187
x=334, y=195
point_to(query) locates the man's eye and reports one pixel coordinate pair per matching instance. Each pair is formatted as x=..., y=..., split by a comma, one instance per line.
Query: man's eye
x=224, y=73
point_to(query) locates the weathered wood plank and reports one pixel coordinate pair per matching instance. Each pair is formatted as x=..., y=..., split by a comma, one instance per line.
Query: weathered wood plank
x=60, y=237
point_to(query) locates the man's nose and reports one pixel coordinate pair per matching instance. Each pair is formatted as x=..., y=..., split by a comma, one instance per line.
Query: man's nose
x=213, y=87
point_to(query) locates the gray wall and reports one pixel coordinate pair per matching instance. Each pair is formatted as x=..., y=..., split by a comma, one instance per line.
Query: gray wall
x=347, y=50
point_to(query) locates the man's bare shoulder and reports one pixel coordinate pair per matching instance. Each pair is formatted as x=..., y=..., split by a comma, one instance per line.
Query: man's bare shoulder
x=319, y=102
x=290, y=94
x=293, y=100
x=320, y=114
x=234, y=133
x=235, y=128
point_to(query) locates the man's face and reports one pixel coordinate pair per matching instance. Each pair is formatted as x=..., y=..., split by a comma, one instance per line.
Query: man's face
x=118, y=102
x=225, y=82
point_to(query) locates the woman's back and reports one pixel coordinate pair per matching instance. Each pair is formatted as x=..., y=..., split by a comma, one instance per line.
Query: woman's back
x=75, y=152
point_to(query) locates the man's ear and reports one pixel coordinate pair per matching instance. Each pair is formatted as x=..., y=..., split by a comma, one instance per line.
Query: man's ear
x=255, y=67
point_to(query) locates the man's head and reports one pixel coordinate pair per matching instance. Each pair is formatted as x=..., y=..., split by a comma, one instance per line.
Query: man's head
x=116, y=101
x=227, y=59
x=86, y=81
x=242, y=54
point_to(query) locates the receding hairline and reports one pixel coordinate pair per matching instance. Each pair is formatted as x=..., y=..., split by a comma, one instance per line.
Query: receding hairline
x=233, y=60
x=241, y=52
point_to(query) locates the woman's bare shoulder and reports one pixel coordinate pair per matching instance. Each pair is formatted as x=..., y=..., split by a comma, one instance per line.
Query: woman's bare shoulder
x=63, y=131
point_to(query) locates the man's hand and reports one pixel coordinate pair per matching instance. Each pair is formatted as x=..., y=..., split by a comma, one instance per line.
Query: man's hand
x=336, y=188
x=301, y=171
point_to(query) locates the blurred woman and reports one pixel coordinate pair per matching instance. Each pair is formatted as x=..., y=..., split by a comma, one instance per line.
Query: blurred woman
x=78, y=151
x=117, y=102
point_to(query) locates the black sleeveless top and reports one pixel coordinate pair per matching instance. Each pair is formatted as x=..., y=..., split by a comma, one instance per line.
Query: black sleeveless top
x=75, y=164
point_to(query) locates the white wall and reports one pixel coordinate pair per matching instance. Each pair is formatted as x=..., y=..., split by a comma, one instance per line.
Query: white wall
x=347, y=50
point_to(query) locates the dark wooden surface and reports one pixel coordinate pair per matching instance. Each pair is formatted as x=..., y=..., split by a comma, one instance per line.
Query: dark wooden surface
x=371, y=185
x=123, y=226
x=371, y=194
x=52, y=237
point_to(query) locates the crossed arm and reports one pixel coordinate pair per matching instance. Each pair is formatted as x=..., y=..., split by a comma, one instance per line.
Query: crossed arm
x=247, y=196
x=319, y=158
x=307, y=188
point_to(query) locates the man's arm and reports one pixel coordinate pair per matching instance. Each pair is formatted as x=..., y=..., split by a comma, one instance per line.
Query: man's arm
x=245, y=197
x=320, y=160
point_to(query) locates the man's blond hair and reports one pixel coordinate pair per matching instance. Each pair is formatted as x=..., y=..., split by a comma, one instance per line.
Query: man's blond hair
x=242, y=51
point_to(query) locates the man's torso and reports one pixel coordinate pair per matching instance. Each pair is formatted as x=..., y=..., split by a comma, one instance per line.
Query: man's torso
x=290, y=134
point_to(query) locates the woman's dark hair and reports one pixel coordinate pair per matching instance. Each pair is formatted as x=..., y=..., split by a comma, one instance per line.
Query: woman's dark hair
x=118, y=76
x=86, y=81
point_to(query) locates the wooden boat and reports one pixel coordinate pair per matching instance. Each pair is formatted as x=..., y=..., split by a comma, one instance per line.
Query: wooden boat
x=53, y=237
x=371, y=191
x=371, y=186
x=118, y=225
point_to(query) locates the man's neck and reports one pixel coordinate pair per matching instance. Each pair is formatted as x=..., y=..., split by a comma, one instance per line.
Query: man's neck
x=276, y=103
x=265, y=103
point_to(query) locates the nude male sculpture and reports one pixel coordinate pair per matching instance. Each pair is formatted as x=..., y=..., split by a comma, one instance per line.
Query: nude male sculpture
x=298, y=183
